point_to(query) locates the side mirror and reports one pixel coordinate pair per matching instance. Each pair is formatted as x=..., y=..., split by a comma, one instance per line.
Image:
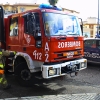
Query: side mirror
x=38, y=44
x=37, y=35
x=81, y=24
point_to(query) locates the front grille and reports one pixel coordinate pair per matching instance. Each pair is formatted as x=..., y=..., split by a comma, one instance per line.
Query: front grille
x=60, y=55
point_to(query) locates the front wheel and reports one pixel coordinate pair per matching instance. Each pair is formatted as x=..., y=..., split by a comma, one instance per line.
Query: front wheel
x=23, y=75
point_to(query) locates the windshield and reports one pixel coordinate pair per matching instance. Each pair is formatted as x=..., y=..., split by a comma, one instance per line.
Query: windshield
x=61, y=24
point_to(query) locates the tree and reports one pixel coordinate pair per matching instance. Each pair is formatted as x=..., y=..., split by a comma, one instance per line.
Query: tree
x=53, y=2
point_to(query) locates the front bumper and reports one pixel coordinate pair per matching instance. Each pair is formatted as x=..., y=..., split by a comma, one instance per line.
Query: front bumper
x=49, y=71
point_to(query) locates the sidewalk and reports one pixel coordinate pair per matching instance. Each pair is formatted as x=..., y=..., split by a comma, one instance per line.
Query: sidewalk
x=85, y=96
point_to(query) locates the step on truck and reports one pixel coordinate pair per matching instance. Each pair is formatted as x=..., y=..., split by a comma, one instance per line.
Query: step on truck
x=48, y=42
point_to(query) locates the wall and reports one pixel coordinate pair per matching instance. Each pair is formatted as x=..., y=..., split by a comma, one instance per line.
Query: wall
x=90, y=26
x=23, y=7
x=86, y=31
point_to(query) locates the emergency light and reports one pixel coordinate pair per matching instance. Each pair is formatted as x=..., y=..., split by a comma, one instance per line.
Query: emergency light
x=47, y=6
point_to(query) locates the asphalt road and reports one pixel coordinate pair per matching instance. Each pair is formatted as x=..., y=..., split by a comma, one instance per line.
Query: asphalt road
x=87, y=81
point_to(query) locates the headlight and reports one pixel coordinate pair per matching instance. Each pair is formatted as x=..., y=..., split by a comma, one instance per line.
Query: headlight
x=82, y=65
x=52, y=72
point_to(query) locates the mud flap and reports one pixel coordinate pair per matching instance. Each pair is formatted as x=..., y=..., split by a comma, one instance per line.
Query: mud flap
x=2, y=35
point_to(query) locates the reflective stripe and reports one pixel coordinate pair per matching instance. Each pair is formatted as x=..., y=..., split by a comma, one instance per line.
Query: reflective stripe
x=1, y=66
x=1, y=80
x=0, y=53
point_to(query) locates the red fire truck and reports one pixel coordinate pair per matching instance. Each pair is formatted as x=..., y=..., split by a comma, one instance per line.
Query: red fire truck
x=49, y=43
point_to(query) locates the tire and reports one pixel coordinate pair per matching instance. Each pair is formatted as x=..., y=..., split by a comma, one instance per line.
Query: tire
x=23, y=75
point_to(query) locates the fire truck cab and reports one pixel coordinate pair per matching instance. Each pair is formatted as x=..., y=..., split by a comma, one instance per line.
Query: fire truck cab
x=47, y=41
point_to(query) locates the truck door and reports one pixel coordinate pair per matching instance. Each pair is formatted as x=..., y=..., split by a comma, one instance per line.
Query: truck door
x=33, y=35
x=2, y=34
x=93, y=50
x=13, y=36
x=89, y=49
x=97, y=51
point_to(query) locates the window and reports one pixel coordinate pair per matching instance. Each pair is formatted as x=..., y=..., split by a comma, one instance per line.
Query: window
x=98, y=44
x=22, y=9
x=61, y=24
x=37, y=21
x=91, y=32
x=90, y=43
x=38, y=30
x=85, y=27
x=32, y=24
x=91, y=26
x=14, y=26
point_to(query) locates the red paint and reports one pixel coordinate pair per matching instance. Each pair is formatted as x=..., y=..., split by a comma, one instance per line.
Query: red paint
x=17, y=43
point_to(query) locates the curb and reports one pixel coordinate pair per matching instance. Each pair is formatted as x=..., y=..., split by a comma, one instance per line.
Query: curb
x=83, y=96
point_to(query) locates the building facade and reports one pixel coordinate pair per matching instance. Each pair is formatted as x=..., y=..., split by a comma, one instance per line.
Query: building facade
x=90, y=27
x=21, y=7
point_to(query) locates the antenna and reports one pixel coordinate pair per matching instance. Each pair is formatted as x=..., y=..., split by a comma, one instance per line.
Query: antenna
x=98, y=26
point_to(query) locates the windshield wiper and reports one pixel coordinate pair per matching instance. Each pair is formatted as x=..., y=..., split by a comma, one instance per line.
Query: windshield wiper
x=61, y=34
x=74, y=34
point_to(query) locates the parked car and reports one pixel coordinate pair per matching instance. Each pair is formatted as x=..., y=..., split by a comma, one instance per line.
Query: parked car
x=92, y=50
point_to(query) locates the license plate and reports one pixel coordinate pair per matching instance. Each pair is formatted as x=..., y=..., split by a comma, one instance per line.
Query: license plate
x=68, y=54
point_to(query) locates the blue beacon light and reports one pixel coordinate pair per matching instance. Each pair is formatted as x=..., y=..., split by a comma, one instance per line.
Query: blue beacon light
x=47, y=6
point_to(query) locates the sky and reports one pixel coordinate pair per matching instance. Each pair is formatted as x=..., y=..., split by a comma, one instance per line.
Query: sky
x=87, y=8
